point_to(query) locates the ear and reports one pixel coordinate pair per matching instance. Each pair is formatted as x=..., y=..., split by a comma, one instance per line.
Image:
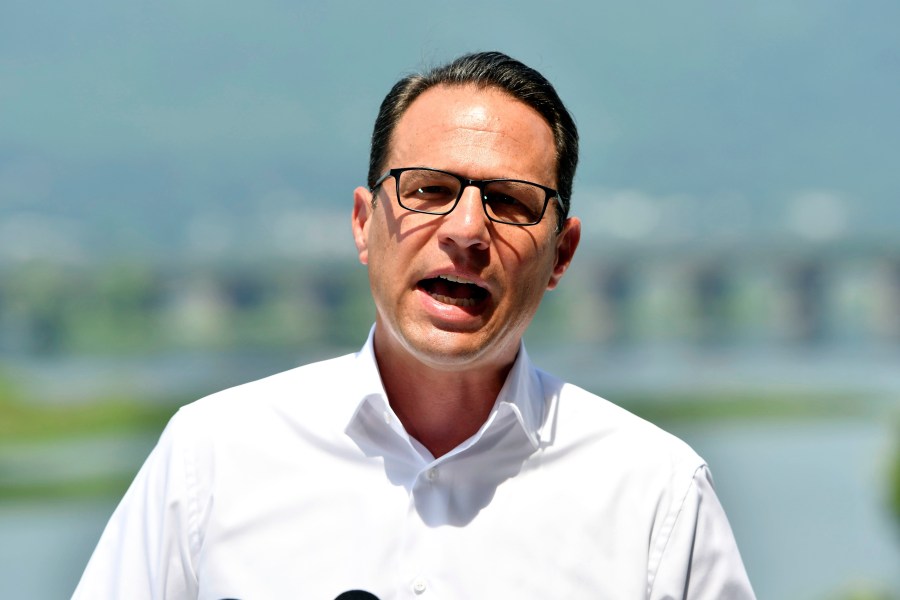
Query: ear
x=566, y=243
x=362, y=212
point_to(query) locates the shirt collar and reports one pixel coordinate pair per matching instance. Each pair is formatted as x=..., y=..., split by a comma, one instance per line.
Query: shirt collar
x=522, y=392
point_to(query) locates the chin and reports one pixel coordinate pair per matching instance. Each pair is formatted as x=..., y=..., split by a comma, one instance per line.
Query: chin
x=457, y=351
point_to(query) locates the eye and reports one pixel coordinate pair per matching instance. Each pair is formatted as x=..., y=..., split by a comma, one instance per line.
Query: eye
x=513, y=201
x=434, y=191
x=498, y=199
x=422, y=186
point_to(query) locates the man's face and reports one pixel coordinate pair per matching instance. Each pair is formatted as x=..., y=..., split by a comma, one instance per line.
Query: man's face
x=458, y=291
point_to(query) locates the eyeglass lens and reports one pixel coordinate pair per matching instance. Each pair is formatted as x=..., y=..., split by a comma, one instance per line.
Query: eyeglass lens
x=434, y=192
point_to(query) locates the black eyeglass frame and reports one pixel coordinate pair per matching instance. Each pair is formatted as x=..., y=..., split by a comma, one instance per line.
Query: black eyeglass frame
x=464, y=183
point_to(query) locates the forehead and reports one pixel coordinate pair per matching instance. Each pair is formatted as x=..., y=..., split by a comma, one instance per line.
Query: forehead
x=476, y=131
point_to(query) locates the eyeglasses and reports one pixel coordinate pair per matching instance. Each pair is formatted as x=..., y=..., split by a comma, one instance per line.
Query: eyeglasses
x=436, y=192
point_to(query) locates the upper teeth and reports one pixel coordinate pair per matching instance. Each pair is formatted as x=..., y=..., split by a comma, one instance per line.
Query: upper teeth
x=455, y=279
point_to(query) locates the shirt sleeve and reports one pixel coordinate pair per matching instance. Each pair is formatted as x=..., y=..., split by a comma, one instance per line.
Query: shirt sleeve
x=145, y=551
x=700, y=559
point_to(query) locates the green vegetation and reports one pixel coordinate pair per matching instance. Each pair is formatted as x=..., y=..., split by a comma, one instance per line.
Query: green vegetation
x=709, y=406
x=28, y=421
x=112, y=485
x=28, y=427
x=36, y=423
x=865, y=591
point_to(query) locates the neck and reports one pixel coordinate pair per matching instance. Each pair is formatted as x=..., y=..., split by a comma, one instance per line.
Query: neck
x=440, y=408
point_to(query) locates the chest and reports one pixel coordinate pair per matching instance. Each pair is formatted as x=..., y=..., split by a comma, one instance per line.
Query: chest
x=293, y=531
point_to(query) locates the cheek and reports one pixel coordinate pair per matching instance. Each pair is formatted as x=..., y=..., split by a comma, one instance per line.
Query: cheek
x=379, y=244
x=530, y=265
x=376, y=261
x=387, y=262
x=528, y=283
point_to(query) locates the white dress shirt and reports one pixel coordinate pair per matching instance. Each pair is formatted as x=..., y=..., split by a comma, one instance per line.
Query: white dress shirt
x=306, y=485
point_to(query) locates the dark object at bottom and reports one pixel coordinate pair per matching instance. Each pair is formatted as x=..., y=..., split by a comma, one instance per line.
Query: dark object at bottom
x=357, y=595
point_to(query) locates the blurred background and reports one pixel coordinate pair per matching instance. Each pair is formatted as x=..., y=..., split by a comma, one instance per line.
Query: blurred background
x=175, y=188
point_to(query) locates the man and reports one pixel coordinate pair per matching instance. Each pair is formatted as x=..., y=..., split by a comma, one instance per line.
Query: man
x=437, y=462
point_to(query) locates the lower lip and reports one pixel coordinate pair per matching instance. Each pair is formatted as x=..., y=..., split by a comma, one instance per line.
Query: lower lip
x=450, y=312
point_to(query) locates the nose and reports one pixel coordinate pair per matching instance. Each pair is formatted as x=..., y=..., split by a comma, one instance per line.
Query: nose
x=467, y=225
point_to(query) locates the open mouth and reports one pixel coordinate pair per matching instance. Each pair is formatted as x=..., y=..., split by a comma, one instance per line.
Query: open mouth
x=453, y=290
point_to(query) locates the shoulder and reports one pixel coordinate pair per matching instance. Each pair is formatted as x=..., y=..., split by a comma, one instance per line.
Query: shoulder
x=282, y=396
x=577, y=417
x=605, y=465
x=290, y=383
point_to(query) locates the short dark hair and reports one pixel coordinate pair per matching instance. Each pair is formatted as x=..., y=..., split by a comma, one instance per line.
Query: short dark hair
x=484, y=69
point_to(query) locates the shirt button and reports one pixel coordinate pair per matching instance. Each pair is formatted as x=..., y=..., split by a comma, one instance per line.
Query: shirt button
x=431, y=474
x=419, y=586
x=387, y=417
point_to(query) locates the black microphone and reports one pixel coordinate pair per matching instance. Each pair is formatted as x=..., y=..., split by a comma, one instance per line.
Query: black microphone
x=357, y=595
